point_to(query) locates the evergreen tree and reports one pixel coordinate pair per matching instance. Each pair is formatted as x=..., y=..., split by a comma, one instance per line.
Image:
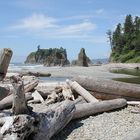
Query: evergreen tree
x=125, y=41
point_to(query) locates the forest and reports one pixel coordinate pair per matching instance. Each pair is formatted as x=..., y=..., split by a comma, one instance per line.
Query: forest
x=125, y=41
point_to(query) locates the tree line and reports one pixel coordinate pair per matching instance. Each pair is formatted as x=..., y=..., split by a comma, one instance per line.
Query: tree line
x=125, y=41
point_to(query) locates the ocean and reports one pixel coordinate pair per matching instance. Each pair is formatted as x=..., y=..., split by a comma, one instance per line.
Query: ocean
x=18, y=67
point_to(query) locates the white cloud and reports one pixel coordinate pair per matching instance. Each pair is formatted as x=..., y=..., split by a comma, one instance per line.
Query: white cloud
x=36, y=21
x=49, y=27
x=99, y=11
x=78, y=28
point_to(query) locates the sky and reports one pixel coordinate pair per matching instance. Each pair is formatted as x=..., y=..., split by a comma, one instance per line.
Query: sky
x=71, y=24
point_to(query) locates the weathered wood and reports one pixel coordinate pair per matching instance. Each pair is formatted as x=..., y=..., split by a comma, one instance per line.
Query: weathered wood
x=52, y=98
x=5, y=57
x=53, y=120
x=110, y=96
x=87, y=109
x=80, y=90
x=40, y=126
x=4, y=91
x=17, y=127
x=67, y=93
x=37, y=74
x=133, y=102
x=19, y=101
x=31, y=86
x=80, y=100
x=37, y=98
x=110, y=88
x=7, y=101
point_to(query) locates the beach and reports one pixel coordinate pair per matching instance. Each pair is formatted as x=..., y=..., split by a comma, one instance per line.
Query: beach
x=101, y=71
x=114, y=125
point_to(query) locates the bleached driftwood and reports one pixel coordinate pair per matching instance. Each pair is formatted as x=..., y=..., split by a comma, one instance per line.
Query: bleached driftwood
x=52, y=98
x=5, y=57
x=19, y=101
x=17, y=127
x=67, y=93
x=41, y=125
x=31, y=86
x=87, y=109
x=53, y=120
x=4, y=91
x=133, y=102
x=109, y=89
x=80, y=100
x=7, y=101
x=37, y=98
x=80, y=90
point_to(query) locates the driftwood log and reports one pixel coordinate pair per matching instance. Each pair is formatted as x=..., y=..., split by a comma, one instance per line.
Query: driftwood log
x=17, y=127
x=80, y=90
x=29, y=87
x=7, y=101
x=4, y=91
x=40, y=125
x=5, y=57
x=87, y=109
x=37, y=74
x=109, y=89
x=53, y=120
x=37, y=98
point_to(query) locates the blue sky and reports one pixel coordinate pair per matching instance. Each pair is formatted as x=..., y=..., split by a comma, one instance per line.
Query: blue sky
x=72, y=24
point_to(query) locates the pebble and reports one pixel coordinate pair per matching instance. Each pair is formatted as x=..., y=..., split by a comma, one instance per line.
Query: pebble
x=114, y=125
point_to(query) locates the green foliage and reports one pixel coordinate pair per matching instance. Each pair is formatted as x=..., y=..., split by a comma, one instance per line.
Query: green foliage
x=125, y=41
x=57, y=56
x=134, y=60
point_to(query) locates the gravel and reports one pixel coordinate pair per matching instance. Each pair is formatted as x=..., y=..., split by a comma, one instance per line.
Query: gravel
x=107, y=126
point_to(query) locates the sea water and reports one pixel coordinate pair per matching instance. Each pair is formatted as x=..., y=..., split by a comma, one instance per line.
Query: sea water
x=21, y=67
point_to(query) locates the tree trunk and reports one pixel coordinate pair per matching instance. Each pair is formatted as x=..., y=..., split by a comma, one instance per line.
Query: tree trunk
x=5, y=57
x=109, y=89
x=19, y=101
x=88, y=109
x=80, y=90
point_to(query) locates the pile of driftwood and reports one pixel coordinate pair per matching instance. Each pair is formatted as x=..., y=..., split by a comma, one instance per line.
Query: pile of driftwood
x=33, y=110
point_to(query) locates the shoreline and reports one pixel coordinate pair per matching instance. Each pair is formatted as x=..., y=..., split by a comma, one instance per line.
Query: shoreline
x=102, y=72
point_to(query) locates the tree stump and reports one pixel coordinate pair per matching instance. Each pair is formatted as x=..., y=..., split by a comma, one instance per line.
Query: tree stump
x=5, y=57
x=19, y=101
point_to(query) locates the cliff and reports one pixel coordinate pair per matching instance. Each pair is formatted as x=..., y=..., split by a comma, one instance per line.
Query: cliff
x=48, y=57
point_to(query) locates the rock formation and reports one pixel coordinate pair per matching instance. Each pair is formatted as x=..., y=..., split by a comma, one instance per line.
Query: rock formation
x=48, y=57
x=83, y=60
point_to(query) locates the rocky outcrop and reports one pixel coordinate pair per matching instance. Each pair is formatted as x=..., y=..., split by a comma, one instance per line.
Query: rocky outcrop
x=48, y=57
x=83, y=60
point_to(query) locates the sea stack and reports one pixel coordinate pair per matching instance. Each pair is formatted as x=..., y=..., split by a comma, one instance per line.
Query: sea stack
x=82, y=58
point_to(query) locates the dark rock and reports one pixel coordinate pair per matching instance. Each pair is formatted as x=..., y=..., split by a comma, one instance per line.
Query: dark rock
x=48, y=57
x=82, y=59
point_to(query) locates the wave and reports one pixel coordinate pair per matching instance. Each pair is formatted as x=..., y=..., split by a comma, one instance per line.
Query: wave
x=21, y=67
